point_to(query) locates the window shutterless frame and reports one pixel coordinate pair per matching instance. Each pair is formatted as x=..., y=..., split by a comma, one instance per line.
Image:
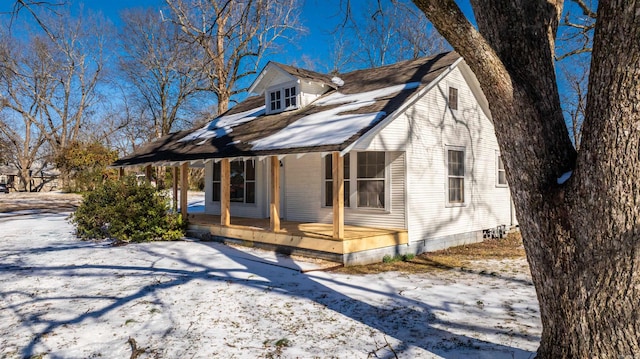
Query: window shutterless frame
x=501, y=174
x=453, y=98
x=455, y=171
x=243, y=181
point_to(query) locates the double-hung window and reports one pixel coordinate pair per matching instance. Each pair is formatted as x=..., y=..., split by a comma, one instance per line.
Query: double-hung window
x=243, y=182
x=501, y=174
x=455, y=176
x=328, y=181
x=371, y=178
x=453, y=98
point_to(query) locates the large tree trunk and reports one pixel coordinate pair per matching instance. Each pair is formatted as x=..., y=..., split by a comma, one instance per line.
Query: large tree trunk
x=581, y=236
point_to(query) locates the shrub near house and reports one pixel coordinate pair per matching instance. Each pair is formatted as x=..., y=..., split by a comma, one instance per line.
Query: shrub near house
x=126, y=211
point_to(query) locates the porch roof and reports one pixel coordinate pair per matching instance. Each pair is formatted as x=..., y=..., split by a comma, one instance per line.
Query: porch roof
x=366, y=101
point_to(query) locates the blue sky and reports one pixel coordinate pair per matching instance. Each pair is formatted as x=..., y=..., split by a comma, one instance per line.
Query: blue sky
x=318, y=16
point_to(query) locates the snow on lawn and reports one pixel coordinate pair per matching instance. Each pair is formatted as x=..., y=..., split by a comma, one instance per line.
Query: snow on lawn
x=64, y=298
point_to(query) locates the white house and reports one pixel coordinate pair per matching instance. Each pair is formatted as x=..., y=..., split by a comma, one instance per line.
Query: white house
x=411, y=146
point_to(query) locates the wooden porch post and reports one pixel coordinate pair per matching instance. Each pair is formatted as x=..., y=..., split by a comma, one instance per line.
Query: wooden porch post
x=338, y=195
x=275, y=194
x=184, y=187
x=147, y=173
x=225, y=192
x=174, y=175
x=121, y=173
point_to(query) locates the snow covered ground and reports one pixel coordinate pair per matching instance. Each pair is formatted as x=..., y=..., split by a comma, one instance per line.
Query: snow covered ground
x=64, y=298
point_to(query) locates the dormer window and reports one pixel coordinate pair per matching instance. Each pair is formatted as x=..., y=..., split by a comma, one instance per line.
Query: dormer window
x=282, y=98
x=275, y=101
x=290, y=97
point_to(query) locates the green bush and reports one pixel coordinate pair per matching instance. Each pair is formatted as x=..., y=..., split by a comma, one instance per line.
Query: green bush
x=128, y=211
x=398, y=258
x=408, y=257
x=387, y=259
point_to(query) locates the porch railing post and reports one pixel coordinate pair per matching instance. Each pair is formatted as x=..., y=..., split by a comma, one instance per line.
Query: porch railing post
x=338, y=195
x=184, y=188
x=275, y=194
x=174, y=174
x=225, y=192
x=147, y=173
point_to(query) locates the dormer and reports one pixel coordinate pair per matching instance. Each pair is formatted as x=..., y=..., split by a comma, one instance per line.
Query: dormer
x=287, y=88
x=282, y=97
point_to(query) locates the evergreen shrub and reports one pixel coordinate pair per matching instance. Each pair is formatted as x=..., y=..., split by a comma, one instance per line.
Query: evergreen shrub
x=128, y=211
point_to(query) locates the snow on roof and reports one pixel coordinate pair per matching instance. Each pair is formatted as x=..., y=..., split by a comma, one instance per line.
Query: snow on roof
x=223, y=125
x=331, y=123
x=331, y=126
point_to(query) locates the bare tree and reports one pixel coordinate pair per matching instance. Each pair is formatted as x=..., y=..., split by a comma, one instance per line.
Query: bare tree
x=578, y=211
x=230, y=37
x=574, y=45
x=161, y=67
x=48, y=87
x=384, y=32
x=31, y=7
x=22, y=78
x=574, y=97
x=576, y=31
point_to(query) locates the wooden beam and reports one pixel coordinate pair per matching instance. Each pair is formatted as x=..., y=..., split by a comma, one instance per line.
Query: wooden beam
x=338, y=194
x=147, y=173
x=121, y=173
x=184, y=188
x=275, y=195
x=174, y=176
x=225, y=192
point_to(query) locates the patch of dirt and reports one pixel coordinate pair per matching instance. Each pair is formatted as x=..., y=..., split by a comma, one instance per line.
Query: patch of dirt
x=460, y=257
x=51, y=201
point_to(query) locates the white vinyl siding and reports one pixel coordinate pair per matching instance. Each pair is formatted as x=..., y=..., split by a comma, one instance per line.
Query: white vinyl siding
x=424, y=130
x=305, y=198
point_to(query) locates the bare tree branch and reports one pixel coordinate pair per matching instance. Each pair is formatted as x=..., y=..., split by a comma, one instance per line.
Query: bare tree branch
x=232, y=37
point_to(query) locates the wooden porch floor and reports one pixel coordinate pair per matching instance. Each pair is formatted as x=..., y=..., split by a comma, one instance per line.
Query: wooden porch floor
x=308, y=236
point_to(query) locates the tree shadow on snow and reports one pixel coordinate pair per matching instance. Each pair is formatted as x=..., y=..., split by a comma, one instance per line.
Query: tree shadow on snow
x=396, y=319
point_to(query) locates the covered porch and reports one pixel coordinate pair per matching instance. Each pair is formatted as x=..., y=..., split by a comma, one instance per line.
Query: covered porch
x=334, y=241
x=311, y=238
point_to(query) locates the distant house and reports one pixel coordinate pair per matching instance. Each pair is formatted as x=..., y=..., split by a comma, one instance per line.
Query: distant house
x=44, y=179
x=411, y=146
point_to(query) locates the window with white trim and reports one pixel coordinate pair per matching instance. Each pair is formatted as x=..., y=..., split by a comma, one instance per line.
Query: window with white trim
x=290, y=97
x=501, y=174
x=371, y=179
x=453, y=98
x=243, y=181
x=282, y=98
x=455, y=175
x=274, y=101
x=328, y=181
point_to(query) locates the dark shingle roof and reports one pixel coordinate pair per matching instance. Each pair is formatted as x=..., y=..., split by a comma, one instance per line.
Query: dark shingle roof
x=235, y=138
x=306, y=74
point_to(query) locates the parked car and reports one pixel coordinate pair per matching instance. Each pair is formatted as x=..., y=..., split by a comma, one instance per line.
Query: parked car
x=4, y=188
